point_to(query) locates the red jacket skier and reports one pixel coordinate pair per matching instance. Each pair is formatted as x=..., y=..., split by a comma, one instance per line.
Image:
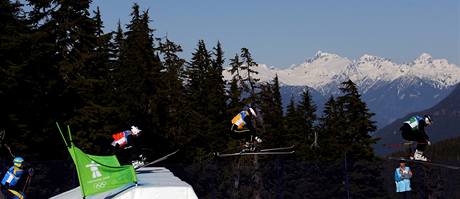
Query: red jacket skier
x=122, y=138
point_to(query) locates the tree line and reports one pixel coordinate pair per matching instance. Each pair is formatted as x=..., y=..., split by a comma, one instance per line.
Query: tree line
x=58, y=65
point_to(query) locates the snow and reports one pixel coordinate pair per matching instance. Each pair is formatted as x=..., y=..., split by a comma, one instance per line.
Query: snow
x=153, y=182
x=330, y=69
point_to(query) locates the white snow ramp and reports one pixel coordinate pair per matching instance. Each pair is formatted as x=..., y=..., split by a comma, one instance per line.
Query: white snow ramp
x=153, y=182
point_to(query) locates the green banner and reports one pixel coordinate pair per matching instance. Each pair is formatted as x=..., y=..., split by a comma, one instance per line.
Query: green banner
x=98, y=174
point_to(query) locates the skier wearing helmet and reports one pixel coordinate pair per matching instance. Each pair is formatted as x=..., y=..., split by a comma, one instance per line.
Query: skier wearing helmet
x=121, y=139
x=125, y=146
x=244, y=125
x=12, y=179
x=414, y=130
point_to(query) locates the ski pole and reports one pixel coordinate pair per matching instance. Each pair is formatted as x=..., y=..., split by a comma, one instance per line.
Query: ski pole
x=9, y=150
x=26, y=185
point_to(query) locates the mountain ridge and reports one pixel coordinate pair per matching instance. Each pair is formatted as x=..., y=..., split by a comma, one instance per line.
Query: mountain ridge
x=325, y=69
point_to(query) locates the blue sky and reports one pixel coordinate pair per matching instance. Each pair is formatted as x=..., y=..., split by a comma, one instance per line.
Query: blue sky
x=281, y=33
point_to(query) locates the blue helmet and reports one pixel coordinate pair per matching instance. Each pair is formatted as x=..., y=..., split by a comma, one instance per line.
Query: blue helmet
x=18, y=161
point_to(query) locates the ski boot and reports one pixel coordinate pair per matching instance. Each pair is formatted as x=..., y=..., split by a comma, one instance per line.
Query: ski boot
x=418, y=155
x=246, y=147
x=255, y=142
x=258, y=140
x=140, y=162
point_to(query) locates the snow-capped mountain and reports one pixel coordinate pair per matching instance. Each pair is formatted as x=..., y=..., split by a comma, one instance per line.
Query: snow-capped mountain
x=325, y=69
x=390, y=89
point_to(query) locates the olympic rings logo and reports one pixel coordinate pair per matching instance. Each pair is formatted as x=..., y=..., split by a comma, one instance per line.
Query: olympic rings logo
x=100, y=185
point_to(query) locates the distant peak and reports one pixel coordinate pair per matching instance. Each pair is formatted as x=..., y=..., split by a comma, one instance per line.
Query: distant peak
x=424, y=58
x=367, y=57
x=322, y=55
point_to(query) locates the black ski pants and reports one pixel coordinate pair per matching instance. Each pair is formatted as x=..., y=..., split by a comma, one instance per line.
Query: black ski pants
x=409, y=135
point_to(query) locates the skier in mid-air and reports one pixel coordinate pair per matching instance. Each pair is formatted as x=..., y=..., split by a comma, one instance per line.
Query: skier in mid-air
x=414, y=130
x=125, y=149
x=122, y=139
x=244, y=127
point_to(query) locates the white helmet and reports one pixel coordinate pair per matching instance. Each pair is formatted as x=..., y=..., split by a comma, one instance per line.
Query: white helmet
x=252, y=112
x=135, y=130
x=428, y=119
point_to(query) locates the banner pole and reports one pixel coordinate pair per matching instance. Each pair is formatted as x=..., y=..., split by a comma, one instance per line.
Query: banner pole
x=70, y=136
x=62, y=135
x=76, y=161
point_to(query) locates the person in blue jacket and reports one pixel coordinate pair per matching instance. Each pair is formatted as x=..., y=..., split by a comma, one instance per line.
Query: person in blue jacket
x=14, y=173
x=403, y=174
x=11, y=179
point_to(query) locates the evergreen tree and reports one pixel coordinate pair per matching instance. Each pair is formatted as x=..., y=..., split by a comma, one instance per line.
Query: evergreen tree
x=44, y=94
x=271, y=113
x=137, y=79
x=356, y=143
x=235, y=65
x=114, y=60
x=96, y=115
x=17, y=88
x=197, y=96
x=69, y=38
x=172, y=95
x=273, y=116
x=307, y=109
x=356, y=134
x=81, y=57
x=196, y=76
x=118, y=41
x=234, y=94
x=12, y=32
x=76, y=41
x=265, y=105
x=329, y=125
x=217, y=98
x=235, y=104
x=249, y=83
x=293, y=125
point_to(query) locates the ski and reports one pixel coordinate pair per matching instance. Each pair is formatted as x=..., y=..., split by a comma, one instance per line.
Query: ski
x=278, y=149
x=425, y=162
x=404, y=144
x=157, y=160
x=255, y=153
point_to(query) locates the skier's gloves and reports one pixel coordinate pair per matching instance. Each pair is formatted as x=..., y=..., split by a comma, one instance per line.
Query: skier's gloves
x=135, y=130
x=31, y=171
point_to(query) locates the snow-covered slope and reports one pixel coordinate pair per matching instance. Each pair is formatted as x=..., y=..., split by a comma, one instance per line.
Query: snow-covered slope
x=153, y=182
